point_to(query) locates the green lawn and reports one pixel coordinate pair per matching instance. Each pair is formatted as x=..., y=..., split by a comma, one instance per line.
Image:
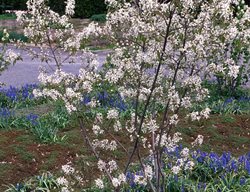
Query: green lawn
x=7, y=16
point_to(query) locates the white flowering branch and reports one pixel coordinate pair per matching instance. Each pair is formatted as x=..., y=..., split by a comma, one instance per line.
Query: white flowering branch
x=164, y=50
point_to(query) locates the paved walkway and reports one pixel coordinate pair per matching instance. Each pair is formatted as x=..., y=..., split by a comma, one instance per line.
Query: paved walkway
x=27, y=71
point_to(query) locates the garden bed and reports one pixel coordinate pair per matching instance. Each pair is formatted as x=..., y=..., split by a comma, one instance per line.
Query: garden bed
x=26, y=151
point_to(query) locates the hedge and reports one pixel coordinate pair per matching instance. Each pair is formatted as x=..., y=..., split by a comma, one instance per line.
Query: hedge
x=84, y=8
x=87, y=8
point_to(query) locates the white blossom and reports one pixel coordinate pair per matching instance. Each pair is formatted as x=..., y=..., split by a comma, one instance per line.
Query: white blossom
x=62, y=181
x=173, y=119
x=176, y=169
x=11, y=56
x=99, y=183
x=115, y=182
x=70, y=6
x=97, y=130
x=198, y=141
x=185, y=152
x=68, y=169
x=233, y=71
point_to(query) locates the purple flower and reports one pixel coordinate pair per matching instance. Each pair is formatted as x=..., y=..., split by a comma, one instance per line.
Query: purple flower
x=32, y=118
x=242, y=181
x=247, y=166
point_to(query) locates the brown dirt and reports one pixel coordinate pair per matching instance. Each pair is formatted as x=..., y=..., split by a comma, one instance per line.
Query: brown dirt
x=22, y=167
x=222, y=133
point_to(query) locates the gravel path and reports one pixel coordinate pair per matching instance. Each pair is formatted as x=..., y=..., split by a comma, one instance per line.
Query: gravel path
x=26, y=71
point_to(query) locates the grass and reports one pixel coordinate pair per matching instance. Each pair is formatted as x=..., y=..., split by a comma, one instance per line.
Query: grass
x=3, y=139
x=5, y=174
x=2, y=154
x=50, y=161
x=7, y=16
x=239, y=140
x=4, y=168
x=23, y=153
x=221, y=132
x=39, y=110
x=228, y=119
x=25, y=139
x=15, y=36
x=98, y=18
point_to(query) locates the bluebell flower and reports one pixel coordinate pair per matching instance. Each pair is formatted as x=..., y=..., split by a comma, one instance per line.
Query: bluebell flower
x=247, y=166
x=12, y=93
x=213, y=156
x=86, y=99
x=23, y=93
x=201, y=186
x=6, y=113
x=130, y=178
x=242, y=159
x=32, y=118
x=176, y=178
x=248, y=156
x=244, y=99
x=234, y=166
x=182, y=188
x=228, y=101
x=242, y=181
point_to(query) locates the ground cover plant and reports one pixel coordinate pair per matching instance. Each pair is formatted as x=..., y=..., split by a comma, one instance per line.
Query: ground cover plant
x=130, y=111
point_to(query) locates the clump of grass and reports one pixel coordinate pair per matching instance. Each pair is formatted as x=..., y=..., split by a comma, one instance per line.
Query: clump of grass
x=98, y=17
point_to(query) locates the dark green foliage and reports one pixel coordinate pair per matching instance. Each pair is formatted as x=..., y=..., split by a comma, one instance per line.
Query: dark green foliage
x=57, y=6
x=87, y=8
x=15, y=36
x=84, y=8
x=12, y=5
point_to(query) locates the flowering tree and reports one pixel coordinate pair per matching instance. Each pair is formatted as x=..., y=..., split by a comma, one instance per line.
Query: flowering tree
x=164, y=49
x=52, y=33
x=7, y=56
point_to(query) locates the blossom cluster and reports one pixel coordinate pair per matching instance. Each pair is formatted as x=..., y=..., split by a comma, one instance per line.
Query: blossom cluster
x=7, y=56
